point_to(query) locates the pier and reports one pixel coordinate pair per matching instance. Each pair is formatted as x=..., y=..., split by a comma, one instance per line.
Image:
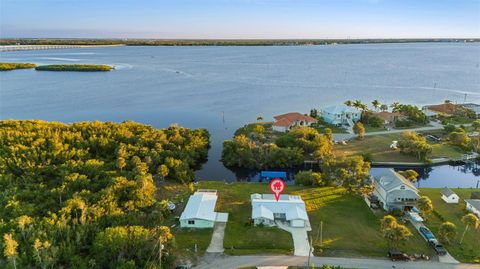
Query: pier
x=50, y=47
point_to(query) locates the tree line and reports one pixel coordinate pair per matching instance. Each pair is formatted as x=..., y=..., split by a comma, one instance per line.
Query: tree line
x=83, y=195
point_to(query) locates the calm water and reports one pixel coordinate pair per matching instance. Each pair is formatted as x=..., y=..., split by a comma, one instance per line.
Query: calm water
x=222, y=88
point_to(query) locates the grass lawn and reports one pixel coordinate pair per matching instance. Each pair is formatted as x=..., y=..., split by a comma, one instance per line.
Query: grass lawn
x=469, y=251
x=370, y=129
x=350, y=228
x=335, y=129
x=379, y=147
x=185, y=239
x=240, y=237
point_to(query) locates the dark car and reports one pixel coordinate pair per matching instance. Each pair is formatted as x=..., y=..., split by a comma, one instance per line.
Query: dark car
x=438, y=247
x=396, y=255
x=427, y=233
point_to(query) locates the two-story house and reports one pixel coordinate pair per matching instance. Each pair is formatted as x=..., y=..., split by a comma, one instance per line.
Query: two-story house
x=394, y=191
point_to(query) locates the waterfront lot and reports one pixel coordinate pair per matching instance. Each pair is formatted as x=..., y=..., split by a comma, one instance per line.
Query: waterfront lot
x=469, y=250
x=350, y=227
x=378, y=146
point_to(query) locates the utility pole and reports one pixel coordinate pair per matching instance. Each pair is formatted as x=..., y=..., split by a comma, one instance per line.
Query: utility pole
x=160, y=248
x=309, y=253
x=321, y=233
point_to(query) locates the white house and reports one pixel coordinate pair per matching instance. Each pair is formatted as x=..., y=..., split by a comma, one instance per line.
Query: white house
x=340, y=115
x=200, y=210
x=449, y=196
x=473, y=205
x=285, y=122
x=289, y=208
x=394, y=191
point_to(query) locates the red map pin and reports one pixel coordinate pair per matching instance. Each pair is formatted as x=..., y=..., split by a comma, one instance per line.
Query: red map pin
x=277, y=186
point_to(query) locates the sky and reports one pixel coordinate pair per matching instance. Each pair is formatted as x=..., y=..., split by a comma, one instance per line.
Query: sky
x=240, y=19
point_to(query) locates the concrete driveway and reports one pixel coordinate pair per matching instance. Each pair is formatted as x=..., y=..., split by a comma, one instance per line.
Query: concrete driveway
x=216, y=245
x=300, y=239
x=447, y=258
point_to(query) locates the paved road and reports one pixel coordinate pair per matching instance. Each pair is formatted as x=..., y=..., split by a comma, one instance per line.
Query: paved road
x=216, y=245
x=232, y=262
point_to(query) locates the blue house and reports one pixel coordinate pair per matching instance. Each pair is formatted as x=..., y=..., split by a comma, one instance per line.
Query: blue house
x=340, y=115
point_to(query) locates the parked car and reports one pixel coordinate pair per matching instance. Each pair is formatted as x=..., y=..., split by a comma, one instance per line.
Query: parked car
x=396, y=255
x=437, y=247
x=427, y=233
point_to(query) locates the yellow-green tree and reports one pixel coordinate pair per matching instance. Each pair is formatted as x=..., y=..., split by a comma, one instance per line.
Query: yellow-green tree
x=10, y=248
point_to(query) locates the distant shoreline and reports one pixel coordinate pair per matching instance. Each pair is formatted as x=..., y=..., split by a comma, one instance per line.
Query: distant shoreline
x=225, y=42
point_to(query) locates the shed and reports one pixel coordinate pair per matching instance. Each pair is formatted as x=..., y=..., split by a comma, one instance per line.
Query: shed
x=449, y=196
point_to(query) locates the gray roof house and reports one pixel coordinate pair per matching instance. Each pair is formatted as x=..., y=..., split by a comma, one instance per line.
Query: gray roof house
x=200, y=210
x=449, y=196
x=394, y=191
x=473, y=205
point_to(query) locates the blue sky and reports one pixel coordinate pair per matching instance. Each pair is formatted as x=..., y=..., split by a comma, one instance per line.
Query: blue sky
x=240, y=18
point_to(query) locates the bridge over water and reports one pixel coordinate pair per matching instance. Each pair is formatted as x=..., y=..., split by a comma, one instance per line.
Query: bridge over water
x=49, y=47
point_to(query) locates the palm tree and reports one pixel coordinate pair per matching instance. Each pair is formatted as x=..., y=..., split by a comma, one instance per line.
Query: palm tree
x=259, y=118
x=357, y=104
x=383, y=107
x=376, y=104
x=470, y=220
x=447, y=231
x=395, y=106
x=348, y=103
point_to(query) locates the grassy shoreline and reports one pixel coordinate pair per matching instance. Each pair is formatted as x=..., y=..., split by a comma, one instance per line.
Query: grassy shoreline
x=75, y=67
x=14, y=66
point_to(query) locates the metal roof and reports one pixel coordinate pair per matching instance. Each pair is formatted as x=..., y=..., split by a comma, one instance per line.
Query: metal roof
x=273, y=174
x=200, y=205
x=447, y=192
x=265, y=205
x=474, y=202
x=389, y=180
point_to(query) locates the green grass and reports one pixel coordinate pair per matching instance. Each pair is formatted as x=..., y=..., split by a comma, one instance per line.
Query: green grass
x=242, y=238
x=469, y=250
x=335, y=129
x=379, y=147
x=370, y=129
x=13, y=66
x=185, y=240
x=75, y=67
x=350, y=227
x=457, y=120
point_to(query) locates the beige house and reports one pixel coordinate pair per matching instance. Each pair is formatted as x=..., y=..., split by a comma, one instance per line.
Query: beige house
x=389, y=117
x=286, y=122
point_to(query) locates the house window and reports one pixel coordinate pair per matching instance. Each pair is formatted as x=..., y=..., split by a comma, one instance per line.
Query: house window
x=191, y=222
